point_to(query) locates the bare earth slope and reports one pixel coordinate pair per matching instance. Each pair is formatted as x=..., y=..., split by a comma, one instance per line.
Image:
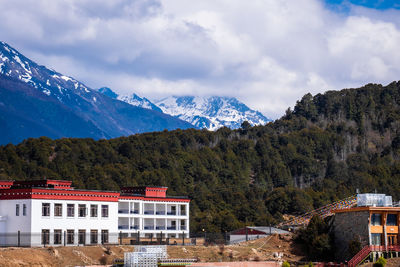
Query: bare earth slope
x=276, y=247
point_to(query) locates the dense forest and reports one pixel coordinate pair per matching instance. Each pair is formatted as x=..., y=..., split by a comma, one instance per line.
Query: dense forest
x=324, y=149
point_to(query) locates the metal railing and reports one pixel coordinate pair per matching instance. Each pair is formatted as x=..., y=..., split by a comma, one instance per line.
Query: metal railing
x=123, y=211
x=365, y=251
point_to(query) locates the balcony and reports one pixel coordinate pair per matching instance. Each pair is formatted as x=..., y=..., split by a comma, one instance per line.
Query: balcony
x=151, y=212
x=171, y=228
x=134, y=211
x=160, y=227
x=171, y=213
x=135, y=227
x=123, y=227
x=149, y=227
x=160, y=212
x=123, y=211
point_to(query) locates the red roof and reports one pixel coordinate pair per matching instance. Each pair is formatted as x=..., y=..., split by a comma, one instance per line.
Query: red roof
x=58, y=194
x=61, y=189
x=148, y=191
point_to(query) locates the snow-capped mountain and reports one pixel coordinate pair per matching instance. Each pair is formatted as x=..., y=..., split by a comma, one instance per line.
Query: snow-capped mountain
x=132, y=99
x=211, y=112
x=43, y=102
x=138, y=101
x=15, y=65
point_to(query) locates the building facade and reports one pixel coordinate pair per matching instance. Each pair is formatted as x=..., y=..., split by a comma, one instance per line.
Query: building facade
x=373, y=222
x=51, y=212
x=148, y=211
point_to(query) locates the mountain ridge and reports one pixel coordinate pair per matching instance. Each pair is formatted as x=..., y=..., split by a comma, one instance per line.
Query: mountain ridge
x=112, y=118
x=330, y=145
x=210, y=113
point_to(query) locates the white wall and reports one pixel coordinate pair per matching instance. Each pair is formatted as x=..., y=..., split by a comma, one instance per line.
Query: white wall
x=10, y=223
x=76, y=223
x=148, y=219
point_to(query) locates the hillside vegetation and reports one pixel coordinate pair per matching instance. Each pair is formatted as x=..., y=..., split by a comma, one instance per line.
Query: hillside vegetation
x=327, y=147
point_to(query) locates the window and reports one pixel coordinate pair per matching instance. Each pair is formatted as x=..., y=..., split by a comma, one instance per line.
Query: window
x=376, y=239
x=104, y=236
x=104, y=210
x=376, y=219
x=391, y=219
x=45, y=236
x=183, y=209
x=17, y=210
x=70, y=236
x=71, y=210
x=58, y=210
x=82, y=210
x=24, y=209
x=93, y=210
x=45, y=209
x=93, y=236
x=82, y=237
x=57, y=237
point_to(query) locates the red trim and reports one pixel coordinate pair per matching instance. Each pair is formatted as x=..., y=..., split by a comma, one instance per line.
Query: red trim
x=6, y=184
x=61, y=184
x=65, y=194
x=148, y=191
x=54, y=194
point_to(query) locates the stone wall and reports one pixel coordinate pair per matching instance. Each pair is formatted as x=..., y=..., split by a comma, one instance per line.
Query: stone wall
x=348, y=226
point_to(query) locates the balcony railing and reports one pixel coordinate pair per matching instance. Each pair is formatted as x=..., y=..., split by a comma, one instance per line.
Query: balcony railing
x=135, y=211
x=171, y=213
x=160, y=212
x=171, y=228
x=149, y=212
x=123, y=211
x=149, y=227
x=160, y=227
x=183, y=227
x=123, y=227
x=135, y=227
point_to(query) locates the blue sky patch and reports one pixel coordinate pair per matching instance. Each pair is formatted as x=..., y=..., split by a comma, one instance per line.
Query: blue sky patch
x=344, y=5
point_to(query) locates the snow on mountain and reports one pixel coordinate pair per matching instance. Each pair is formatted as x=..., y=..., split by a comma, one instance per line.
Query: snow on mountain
x=211, y=112
x=138, y=101
x=15, y=65
x=132, y=99
x=108, y=92
x=60, y=106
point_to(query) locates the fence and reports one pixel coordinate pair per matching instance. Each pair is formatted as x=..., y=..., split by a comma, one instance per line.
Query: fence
x=85, y=238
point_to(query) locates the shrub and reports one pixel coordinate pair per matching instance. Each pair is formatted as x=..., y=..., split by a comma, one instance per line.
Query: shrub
x=285, y=264
x=381, y=262
x=103, y=260
x=310, y=264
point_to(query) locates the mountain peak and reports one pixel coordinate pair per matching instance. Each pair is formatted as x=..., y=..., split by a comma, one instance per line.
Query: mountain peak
x=211, y=112
x=37, y=101
x=108, y=92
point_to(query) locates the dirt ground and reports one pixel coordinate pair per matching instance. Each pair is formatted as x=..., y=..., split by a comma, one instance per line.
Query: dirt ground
x=395, y=262
x=272, y=248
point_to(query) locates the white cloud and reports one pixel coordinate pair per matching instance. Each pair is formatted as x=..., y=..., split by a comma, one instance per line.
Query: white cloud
x=267, y=53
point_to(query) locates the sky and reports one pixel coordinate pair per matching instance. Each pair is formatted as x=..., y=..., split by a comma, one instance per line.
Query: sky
x=266, y=53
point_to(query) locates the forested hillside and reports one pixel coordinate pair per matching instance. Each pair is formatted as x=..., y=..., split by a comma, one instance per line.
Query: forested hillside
x=324, y=149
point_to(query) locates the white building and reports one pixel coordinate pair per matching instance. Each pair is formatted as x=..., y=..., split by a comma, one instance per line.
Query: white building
x=149, y=212
x=50, y=212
